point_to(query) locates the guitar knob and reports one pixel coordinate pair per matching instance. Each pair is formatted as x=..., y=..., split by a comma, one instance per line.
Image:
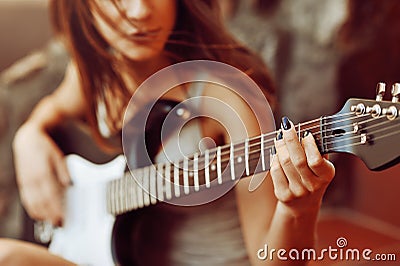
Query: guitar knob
x=380, y=91
x=395, y=92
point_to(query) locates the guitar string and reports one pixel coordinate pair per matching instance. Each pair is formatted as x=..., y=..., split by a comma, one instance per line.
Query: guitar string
x=268, y=147
x=122, y=204
x=257, y=151
x=118, y=208
x=226, y=148
x=361, y=123
x=240, y=145
x=347, y=139
x=376, y=138
x=369, y=133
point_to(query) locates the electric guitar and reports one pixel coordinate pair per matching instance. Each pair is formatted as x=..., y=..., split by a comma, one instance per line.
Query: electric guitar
x=104, y=199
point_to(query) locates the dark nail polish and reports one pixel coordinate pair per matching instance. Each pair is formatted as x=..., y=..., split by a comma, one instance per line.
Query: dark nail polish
x=273, y=150
x=306, y=133
x=286, y=123
x=280, y=135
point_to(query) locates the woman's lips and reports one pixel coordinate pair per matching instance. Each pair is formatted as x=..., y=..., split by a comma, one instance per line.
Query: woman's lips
x=145, y=35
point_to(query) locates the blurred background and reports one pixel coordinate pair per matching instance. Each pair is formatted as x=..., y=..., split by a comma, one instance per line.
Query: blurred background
x=25, y=27
x=319, y=52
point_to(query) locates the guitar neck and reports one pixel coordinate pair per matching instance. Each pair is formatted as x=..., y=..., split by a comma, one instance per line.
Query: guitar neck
x=214, y=167
x=365, y=128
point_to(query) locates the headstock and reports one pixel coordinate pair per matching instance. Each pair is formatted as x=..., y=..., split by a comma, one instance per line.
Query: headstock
x=369, y=129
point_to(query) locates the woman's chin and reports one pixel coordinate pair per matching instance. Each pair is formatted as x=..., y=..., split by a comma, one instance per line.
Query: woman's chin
x=141, y=53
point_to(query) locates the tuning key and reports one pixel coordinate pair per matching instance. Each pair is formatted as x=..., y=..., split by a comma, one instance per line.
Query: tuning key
x=391, y=112
x=358, y=109
x=395, y=92
x=380, y=91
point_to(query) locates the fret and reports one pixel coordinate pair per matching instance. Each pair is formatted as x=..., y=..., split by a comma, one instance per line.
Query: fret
x=124, y=194
x=119, y=202
x=262, y=153
x=128, y=193
x=115, y=196
x=139, y=179
x=124, y=191
x=246, y=156
x=160, y=185
x=132, y=190
x=299, y=131
x=185, y=176
x=219, y=171
x=129, y=187
x=110, y=197
x=153, y=188
x=120, y=207
x=271, y=156
x=146, y=186
x=196, y=171
x=321, y=130
x=176, y=179
x=119, y=195
x=168, y=181
x=207, y=167
x=232, y=162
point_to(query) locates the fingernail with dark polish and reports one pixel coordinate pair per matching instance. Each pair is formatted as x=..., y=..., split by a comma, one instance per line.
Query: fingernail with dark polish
x=273, y=150
x=286, y=123
x=306, y=133
x=280, y=135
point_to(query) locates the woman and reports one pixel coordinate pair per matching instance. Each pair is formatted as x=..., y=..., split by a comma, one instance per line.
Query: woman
x=115, y=46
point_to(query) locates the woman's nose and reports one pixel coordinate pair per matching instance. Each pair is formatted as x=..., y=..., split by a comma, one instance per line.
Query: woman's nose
x=137, y=9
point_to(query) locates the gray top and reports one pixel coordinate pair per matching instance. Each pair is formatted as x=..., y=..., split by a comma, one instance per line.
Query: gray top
x=207, y=234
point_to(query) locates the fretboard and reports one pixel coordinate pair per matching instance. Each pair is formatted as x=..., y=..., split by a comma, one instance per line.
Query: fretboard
x=229, y=163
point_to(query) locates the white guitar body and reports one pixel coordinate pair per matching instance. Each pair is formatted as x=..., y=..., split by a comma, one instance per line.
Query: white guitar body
x=85, y=237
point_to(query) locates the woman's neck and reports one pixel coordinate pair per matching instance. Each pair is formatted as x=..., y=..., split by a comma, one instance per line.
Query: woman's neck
x=135, y=72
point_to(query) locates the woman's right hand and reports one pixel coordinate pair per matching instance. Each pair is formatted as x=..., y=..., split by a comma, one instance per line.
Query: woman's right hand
x=41, y=173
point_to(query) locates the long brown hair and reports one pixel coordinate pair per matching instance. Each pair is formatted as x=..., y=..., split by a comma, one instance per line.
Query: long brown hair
x=199, y=33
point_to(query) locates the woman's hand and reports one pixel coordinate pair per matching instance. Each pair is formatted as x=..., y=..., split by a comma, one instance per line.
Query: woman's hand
x=41, y=173
x=299, y=173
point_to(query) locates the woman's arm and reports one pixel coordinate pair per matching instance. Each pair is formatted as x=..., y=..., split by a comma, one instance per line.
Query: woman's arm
x=300, y=176
x=40, y=169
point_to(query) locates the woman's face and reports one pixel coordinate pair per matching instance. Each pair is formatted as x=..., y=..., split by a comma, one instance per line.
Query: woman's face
x=147, y=26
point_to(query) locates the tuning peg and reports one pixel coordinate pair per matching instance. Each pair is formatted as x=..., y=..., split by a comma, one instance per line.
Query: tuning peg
x=380, y=91
x=395, y=92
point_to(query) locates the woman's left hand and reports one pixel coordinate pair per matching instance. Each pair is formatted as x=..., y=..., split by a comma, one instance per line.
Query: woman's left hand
x=300, y=174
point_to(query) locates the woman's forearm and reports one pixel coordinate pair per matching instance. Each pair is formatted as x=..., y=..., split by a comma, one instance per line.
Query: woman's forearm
x=286, y=232
x=45, y=115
